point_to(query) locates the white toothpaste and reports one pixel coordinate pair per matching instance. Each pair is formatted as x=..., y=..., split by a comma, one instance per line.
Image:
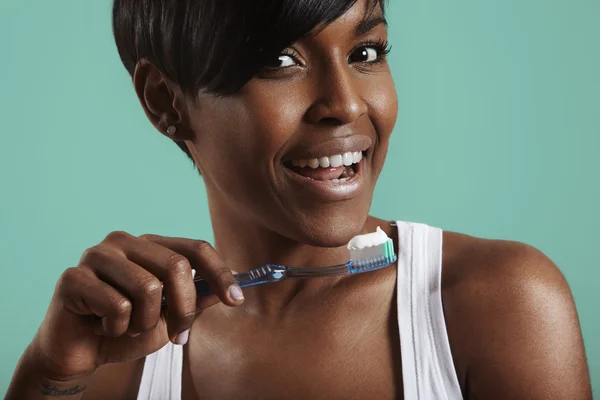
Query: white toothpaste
x=368, y=240
x=369, y=249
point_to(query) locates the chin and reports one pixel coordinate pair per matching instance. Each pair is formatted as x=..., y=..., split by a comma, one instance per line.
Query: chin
x=330, y=229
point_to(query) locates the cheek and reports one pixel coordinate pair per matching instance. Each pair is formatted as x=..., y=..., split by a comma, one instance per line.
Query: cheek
x=383, y=105
x=238, y=137
x=383, y=110
x=273, y=116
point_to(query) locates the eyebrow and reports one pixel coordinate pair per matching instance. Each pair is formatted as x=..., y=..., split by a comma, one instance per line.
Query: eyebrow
x=366, y=25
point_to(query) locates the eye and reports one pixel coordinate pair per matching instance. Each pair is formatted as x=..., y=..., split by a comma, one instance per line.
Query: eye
x=283, y=60
x=286, y=61
x=364, y=54
x=369, y=53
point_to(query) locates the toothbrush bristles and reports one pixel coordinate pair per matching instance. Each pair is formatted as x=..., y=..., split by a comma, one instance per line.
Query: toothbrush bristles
x=371, y=258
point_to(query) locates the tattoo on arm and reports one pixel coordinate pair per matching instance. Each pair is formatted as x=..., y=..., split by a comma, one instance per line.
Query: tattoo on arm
x=53, y=391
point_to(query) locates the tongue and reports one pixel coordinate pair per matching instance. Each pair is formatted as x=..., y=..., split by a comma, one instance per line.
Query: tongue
x=320, y=174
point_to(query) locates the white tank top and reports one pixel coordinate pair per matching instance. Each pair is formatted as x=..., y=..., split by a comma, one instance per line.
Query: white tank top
x=427, y=369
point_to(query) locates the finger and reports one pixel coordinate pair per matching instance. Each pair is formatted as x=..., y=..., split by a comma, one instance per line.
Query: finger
x=142, y=288
x=208, y=265
x=204, y=302
x=175, y=272
x=84, y=293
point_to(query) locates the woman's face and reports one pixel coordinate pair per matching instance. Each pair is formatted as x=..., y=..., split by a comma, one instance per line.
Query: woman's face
x=328, y=95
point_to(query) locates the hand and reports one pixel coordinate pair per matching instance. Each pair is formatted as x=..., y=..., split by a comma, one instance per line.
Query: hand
x=108, y=308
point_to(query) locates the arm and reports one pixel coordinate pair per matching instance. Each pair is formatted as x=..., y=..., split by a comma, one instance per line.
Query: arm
x=520, y=329
x=108, y=311
x=110, y=381
x=32, y=382
x=115, y=381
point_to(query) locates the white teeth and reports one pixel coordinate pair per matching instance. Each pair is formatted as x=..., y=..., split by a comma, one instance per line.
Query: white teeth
x=348, y=159
x=313, y=163
x=335, y=161
x=342, y=180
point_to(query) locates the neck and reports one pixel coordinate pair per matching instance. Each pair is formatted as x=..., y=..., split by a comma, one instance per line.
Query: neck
x=245, y=245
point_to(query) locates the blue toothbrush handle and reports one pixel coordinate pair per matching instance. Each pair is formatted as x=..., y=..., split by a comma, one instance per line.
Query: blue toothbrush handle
x=243, y=279
x=202, y=288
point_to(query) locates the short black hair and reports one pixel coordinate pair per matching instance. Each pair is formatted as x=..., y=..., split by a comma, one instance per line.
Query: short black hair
x=215, y=45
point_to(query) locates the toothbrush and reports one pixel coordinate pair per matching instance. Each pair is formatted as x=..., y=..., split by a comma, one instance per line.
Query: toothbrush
x=368, y=252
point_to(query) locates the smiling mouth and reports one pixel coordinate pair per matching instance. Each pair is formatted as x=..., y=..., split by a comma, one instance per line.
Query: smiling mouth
x=335, y=169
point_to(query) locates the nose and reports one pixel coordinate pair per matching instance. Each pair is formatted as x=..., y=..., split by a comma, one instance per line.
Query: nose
x=338, y=99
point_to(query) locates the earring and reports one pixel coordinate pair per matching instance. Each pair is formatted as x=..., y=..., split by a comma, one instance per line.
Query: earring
x=171, y=130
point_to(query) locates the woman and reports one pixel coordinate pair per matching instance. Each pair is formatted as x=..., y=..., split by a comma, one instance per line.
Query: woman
x=266, y=99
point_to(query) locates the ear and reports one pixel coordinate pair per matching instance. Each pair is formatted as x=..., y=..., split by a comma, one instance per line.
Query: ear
x=163, y=101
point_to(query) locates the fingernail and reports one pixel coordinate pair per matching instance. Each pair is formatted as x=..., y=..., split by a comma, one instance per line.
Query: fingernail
x=236, y=293
x=182, y=338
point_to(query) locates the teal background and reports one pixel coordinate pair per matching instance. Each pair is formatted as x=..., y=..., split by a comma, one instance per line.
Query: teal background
x=497, y=136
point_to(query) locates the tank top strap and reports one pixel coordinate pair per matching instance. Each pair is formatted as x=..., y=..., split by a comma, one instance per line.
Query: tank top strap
x=161, y=378
x=427, y=367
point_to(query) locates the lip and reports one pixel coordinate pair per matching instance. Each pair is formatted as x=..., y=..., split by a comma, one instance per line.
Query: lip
x=328, y=191
x=330, y=148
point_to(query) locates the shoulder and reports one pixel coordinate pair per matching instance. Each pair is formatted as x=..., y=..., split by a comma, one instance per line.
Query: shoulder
x=511, y=321
x=505, y=267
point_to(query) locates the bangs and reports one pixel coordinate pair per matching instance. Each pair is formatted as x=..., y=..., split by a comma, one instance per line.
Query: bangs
x=216, y=46
x=267, y=30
